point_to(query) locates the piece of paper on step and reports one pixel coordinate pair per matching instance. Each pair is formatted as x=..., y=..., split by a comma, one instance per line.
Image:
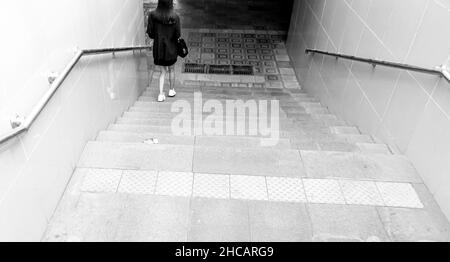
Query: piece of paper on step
x=151, y=141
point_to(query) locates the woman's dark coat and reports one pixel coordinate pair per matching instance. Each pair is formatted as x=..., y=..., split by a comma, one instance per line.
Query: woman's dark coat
x=166, y=33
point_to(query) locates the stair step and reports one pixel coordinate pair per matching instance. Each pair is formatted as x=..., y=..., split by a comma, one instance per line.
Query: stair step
x=359, y=166
x=299, y=95
x=186, y=89
x=211, y=93
x=130, y=137
x=135, y=113
x=283, y=124
x=163, y=139
x=328, y=119
x=199, y=159
x=345, y=130
x=374, y=148
x=240, y=142
x=156, y=107
x=135, y=156
x=227, y=91
x=141, y=129
x=221, y=98
x=211, y=89
x=354, y=139
x=338, y=146
x=306, y=99
x=317, y=110
x=167, y=105
x=256, y=162
x=294, y=110
x=168, y=130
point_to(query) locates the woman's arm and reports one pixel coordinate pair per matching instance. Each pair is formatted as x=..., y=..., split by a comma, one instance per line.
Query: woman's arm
x=178, y=28
x=150, y=30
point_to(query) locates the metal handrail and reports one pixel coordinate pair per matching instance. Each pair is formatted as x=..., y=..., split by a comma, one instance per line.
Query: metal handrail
x=440, y=70
x=21, y=127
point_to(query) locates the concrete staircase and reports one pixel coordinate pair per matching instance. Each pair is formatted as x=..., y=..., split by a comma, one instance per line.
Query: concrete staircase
x=323, y=181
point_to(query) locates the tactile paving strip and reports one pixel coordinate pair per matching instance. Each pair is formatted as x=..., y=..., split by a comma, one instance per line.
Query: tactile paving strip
x=276, y=189
x=361, y=193
x=174, y=184
x=138, y=182
x=101, y=180
x=286, y=189
x=399, y=195
x=212, y=186
x=249, y=187
x=323, y=191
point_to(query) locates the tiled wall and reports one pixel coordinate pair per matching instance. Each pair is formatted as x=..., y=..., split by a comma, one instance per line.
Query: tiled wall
x=232, y=14
x=409, y=111
x=35, y=167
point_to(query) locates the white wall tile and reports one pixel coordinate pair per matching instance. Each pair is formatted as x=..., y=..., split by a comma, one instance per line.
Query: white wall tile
x=34, y=169
x=392, y=105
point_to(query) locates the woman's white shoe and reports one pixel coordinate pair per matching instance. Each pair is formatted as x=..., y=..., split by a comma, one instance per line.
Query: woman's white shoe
x=161, y=98
x=172, y=93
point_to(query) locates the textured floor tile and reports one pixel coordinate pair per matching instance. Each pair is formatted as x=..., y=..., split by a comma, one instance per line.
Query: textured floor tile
x=282, y=58
x=287, y=71
x=399, y=195
x=212, y=186
x=335, y=223
x=76, y=182
x=286, y=189
x=174, y=184
x=279, y=222
x=361, y=193
x=138, y=182
x=248, y=188
x=292, y=84
x=323, y=191
x=101, y=181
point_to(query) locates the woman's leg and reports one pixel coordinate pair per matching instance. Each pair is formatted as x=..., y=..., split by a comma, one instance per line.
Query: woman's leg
x=172, y=77
x=172, y=92
x=161, y=80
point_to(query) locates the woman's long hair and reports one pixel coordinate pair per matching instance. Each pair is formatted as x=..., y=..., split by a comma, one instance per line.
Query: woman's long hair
x=164, y=12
